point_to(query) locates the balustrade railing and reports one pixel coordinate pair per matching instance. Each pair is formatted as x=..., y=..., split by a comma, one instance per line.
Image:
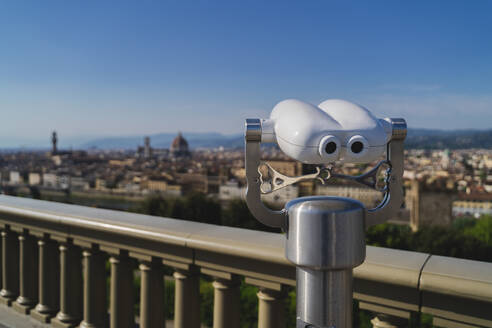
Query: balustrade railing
x=54, y=269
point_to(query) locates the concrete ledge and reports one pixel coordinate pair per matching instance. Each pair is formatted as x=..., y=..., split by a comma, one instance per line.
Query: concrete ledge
x=23, y=309
x=42, y=317
x=6, y=301
x=9, y=318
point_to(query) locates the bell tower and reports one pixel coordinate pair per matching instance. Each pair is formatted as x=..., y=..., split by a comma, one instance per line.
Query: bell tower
x=54, y=141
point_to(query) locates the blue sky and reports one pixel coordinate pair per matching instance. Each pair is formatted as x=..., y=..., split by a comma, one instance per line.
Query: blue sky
x=101, y=68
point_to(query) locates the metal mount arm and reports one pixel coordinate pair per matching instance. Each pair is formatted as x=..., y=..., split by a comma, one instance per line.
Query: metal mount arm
x=276, y=219
x=393, y=198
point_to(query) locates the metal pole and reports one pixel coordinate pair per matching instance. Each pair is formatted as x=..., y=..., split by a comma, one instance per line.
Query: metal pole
x=325, y=240
x=332, y=305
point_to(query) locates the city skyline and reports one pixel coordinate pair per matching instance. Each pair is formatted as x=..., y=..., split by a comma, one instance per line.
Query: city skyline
x=96, y=70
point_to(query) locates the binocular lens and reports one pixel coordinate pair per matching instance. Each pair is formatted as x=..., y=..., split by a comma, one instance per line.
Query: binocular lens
x=331, y=147
x=357, y=147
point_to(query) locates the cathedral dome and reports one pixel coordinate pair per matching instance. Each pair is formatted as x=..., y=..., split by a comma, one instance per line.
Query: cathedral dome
x=179, y=147
x=179, y=143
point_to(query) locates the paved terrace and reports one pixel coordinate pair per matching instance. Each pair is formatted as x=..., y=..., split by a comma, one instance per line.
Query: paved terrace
x=53, y=272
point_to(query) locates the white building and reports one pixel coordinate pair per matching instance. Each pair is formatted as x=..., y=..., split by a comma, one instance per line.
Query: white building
x=14, y=178
x=367, y=196
x=78, y=183
x=64, y=181
x=50, y=180
x=231, y=190
x=471, y=208
x=34, y=179
x=281, y=196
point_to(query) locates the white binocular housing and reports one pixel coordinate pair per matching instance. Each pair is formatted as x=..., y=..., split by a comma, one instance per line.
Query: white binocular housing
x=334, y=131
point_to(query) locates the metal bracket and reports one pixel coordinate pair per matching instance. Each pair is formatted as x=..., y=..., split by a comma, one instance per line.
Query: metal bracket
x=278, y=181
x=370, y=178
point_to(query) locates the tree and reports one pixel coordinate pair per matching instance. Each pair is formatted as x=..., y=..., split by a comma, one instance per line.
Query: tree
x=35, y=193
x=482, y=230
x=201, y=208
x=238, y=215
x=154, y=205
x=389, y=235
x=467, y=239
x=195, y=207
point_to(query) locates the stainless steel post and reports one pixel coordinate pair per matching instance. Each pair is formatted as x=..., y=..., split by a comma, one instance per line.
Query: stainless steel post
x=325, y=240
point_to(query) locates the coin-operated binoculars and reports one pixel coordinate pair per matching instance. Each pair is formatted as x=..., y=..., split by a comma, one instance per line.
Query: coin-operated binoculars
x=325, y=235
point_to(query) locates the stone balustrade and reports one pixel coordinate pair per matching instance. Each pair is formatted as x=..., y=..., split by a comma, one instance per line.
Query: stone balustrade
x=54, y=260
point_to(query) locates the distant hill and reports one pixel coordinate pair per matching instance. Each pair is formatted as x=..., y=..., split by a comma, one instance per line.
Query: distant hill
x=163, y=140
x=417, y=138
x=439, y=139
